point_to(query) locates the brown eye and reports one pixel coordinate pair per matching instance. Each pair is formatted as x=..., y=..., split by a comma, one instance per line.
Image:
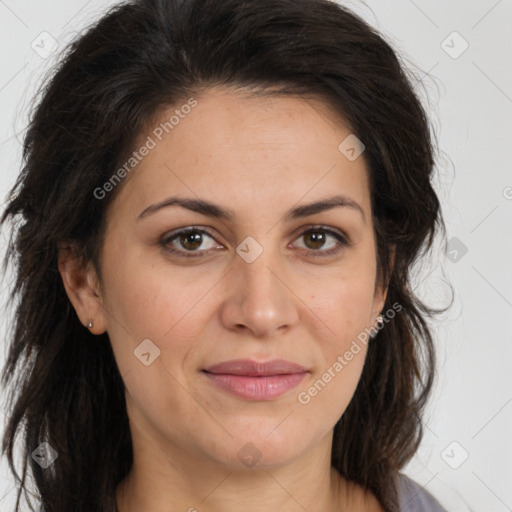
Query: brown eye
x=186, y=241
x=191, y=240
x=316, y=238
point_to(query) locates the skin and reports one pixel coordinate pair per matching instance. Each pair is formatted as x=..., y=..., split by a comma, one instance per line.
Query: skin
x=258, y=157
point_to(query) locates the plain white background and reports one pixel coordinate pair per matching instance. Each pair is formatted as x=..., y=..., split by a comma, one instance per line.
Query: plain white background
x=461, y=53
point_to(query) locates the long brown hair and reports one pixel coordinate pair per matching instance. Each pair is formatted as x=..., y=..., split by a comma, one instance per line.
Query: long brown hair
x=138, y=58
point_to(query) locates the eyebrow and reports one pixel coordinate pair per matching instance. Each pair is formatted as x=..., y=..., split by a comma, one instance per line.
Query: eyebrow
x=209, y=209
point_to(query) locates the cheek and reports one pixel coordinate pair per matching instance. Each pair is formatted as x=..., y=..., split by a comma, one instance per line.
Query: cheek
x=345, y=308
x=148, y=300
x=345, y=311
x=345, y=305
x=166, y=308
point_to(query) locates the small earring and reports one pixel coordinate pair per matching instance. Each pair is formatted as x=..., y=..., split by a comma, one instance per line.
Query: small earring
x=89, y=325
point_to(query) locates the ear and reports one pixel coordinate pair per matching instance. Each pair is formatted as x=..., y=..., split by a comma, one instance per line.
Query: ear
x=82, y=288
x=381, y=289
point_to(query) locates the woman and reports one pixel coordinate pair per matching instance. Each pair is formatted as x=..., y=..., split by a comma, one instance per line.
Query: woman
x=220, y=205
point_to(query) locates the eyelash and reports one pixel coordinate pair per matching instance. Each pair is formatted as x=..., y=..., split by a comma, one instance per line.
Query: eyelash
x=167, y=239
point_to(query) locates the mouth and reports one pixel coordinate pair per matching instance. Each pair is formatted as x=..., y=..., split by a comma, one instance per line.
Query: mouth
x=253, y=380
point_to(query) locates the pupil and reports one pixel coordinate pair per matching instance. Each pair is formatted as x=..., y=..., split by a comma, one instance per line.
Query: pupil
x=318, y=238
x=189, y=239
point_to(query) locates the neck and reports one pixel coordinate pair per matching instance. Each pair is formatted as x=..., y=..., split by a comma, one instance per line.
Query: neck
x=159, y=483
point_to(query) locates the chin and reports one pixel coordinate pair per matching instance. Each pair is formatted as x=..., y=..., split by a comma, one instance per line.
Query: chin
x=262, y=451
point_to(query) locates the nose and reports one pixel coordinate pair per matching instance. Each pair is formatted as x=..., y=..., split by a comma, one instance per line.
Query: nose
x=261, y=299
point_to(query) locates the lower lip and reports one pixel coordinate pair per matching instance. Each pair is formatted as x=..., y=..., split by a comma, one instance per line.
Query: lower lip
x=256, y=388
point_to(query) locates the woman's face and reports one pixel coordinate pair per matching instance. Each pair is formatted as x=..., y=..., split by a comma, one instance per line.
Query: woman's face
x=252, y=286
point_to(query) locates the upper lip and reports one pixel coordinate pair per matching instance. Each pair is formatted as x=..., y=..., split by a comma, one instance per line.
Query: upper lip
x=252, y=368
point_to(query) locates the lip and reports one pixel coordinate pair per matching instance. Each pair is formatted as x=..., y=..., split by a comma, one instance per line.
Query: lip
x=255, y=380
x=252, y=368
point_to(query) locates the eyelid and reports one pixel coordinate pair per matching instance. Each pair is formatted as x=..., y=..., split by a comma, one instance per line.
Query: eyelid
x=173, y=234
x=342, y=238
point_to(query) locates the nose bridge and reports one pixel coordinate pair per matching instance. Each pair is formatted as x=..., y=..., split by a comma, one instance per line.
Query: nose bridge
x=256, y=267
x=259, y=298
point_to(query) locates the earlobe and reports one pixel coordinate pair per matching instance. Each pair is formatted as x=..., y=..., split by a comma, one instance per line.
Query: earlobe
x=82, y=288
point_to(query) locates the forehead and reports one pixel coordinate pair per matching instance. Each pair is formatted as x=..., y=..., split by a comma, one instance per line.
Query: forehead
x=246, y=151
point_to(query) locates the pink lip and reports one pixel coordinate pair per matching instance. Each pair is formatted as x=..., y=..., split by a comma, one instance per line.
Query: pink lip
x=251, y=368
x=253, y=380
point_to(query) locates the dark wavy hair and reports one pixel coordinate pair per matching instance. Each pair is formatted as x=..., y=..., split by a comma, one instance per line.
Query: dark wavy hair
x=113, y=79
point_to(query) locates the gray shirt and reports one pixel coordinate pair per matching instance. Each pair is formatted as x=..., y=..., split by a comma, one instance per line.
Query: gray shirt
x=414, y=498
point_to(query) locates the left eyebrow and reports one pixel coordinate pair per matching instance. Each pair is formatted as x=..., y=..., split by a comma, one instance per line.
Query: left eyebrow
x=209, y=209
